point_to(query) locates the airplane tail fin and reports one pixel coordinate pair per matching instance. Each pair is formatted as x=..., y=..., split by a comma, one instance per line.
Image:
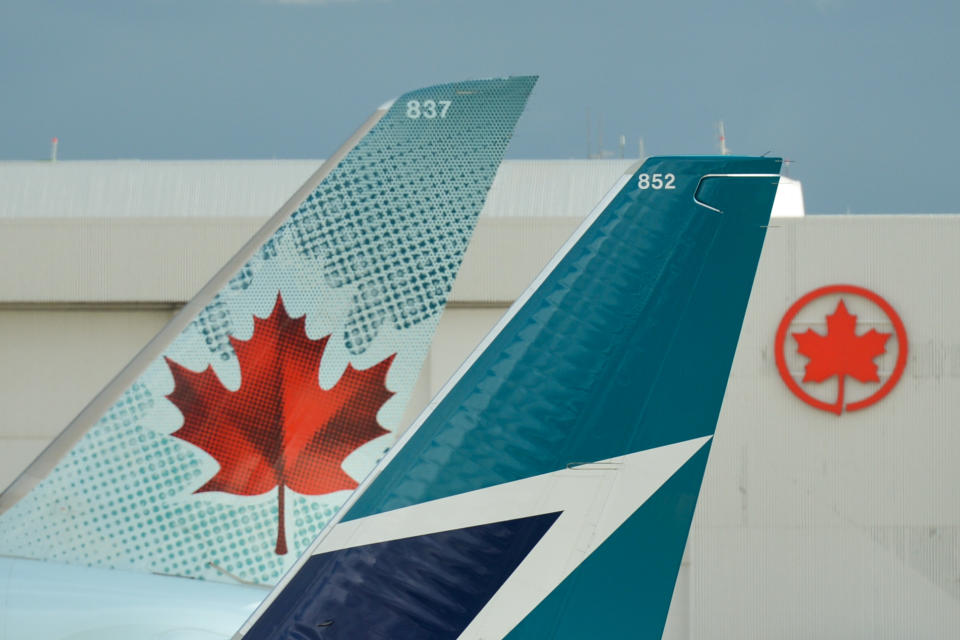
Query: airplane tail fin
x=241, y=428
x=548, y=490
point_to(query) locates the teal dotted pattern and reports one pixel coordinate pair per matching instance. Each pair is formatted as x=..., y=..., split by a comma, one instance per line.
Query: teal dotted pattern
x=369, y=258
x=372, y=232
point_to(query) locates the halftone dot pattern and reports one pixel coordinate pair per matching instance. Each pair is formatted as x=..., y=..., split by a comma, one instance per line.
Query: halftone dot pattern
x=214, y=323
x=149, y=525
x=372, y=232
x=367, y=259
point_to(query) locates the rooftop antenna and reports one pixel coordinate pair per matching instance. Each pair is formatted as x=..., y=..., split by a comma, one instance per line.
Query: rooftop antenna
x=723, y=139
x=599, y=136
x=53, y=148
x=623, y=144
x=588, y=133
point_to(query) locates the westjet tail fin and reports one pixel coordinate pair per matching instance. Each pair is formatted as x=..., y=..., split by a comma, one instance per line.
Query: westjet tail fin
x=548, y=490
x=238, y=432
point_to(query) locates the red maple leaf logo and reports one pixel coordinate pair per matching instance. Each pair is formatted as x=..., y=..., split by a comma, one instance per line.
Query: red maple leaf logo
x=841, y=352
x=280, y=428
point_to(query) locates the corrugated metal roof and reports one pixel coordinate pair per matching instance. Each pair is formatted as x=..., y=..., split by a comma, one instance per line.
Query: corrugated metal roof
x=536, y=188
x=135, y=188
x=152, y=188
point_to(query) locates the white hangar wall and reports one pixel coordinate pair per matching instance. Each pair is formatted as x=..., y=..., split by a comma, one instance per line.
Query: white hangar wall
x=816, y=525
x=809, y=524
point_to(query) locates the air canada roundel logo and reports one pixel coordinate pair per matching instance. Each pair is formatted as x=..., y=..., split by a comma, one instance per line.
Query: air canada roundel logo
x=841, y=348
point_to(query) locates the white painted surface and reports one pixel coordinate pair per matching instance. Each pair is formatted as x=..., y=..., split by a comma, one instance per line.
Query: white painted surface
x=809, y=524
x=52, y=362
x=788, y=203
x=100, y=604
x=138, y=188
x=812, y=525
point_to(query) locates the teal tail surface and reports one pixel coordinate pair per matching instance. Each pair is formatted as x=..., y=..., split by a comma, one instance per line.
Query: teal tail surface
x=548, y=490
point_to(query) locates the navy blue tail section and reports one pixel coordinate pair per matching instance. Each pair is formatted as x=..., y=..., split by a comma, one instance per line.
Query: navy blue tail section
x=424, y=588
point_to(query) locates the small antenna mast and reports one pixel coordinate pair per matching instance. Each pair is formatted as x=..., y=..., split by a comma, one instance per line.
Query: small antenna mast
x=723, y=139
x=53, y=148
x=599, y=136
x=588, y=134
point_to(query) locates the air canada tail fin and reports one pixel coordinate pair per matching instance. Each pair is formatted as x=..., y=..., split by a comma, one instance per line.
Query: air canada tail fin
x=548, y=490
x=243, y=426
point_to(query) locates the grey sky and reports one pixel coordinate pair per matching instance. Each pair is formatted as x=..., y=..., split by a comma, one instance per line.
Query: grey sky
x=863, y=96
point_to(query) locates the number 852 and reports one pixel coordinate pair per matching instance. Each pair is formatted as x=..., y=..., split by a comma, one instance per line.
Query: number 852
x=656, y=181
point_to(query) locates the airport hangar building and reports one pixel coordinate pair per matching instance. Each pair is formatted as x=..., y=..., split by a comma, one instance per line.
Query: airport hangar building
x=827, y=511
